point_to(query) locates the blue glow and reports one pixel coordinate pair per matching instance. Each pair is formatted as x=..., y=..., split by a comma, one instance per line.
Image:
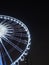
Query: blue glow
x=1, y=60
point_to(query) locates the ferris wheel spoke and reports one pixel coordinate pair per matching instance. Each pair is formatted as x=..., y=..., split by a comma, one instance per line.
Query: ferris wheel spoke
x=10, y=32
x=19, y=30
x=11, y=50
x=17, y=39
x=12, y=44
x=10, y=29
x=21, y=35
x=2, y=22
x=7, y=52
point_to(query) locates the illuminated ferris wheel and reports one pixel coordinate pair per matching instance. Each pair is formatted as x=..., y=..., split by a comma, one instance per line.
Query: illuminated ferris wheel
x=14, y=40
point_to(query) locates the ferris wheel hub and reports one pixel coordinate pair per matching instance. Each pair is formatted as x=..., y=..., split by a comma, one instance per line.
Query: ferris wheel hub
x=3, y=30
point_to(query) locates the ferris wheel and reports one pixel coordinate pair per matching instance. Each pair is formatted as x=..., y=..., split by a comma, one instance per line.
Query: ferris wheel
x=15, y=40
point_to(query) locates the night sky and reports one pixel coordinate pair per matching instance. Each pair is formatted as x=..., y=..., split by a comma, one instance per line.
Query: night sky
x=35, y=16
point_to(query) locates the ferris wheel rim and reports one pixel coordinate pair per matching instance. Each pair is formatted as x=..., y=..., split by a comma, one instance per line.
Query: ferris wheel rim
x=28, y=33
